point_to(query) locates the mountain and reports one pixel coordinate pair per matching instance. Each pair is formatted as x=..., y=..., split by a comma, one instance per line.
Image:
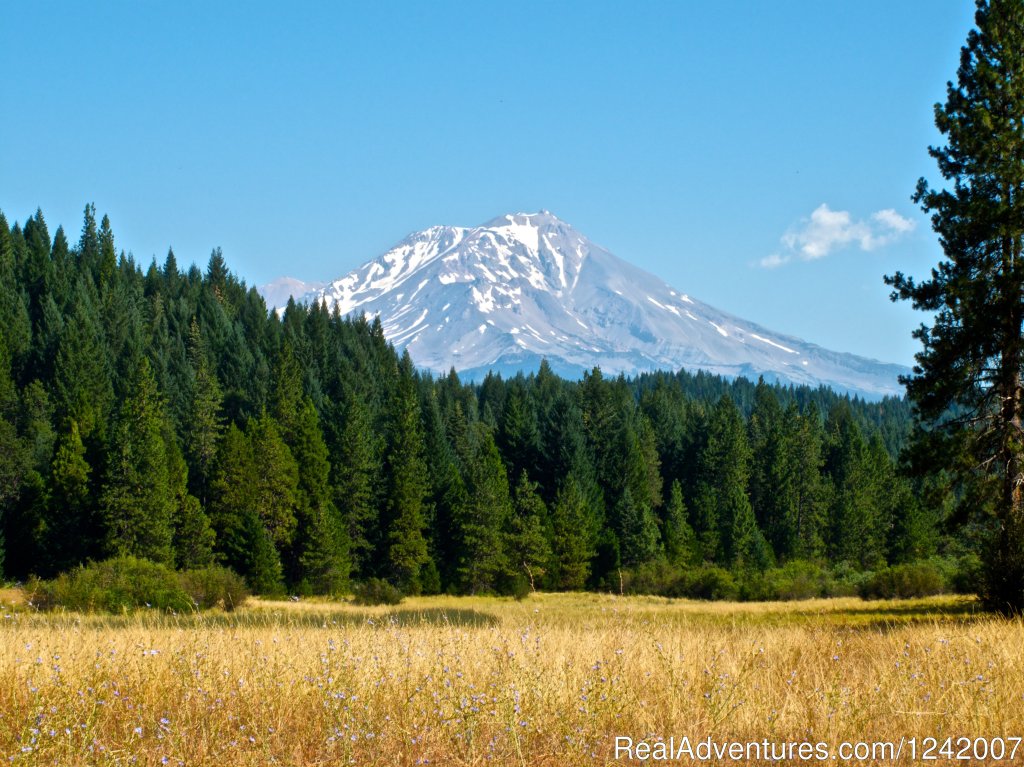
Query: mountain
x=277, y=293
x=523, y=287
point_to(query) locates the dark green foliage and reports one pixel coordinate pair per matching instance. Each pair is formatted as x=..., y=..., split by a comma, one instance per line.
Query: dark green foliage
x=275, y=480
x=376, y=591
x=482, y=562
x=967, y=385
x=165, y=412
x=638, y=536
x=527, y=541
x=354, y=467
x=113, y=586
x=71, y=519
x=920, y=579
x=214, y=586
x=204, y=424
x=797, y=579
x=137, y=501
x=571, y=538
x=319, y=557
x=725, y=521
x=404, y=545
x=706, y=582
x=679, y=540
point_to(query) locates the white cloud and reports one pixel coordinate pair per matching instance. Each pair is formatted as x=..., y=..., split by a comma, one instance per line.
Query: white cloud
x=774, y=261
x=827, y=230
x=894, y=221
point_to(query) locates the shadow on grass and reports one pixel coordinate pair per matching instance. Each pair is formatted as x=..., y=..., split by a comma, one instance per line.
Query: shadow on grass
x=269, y=617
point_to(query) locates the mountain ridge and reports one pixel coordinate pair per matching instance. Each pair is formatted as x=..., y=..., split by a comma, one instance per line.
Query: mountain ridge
x=527, y=286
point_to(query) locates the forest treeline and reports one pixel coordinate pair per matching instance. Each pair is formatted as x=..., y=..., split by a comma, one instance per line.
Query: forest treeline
x=164, y=413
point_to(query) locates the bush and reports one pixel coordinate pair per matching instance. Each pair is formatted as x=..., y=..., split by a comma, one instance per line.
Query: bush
x=658, y=578
x=705, y=582
x=968, y=575
x=376, y=591
x=214, y=586
x=116, y=585
x=794, y=580
x=919, y=579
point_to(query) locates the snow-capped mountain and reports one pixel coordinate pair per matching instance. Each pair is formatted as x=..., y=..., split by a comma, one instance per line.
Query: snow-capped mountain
x=523, y=287
x=277, y=293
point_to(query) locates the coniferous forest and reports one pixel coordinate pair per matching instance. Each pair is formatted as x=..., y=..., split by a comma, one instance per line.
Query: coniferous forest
x=162, y=412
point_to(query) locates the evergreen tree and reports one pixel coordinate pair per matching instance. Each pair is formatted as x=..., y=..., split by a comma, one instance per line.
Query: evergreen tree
x=519, y=434
x=528, y=544
x=405, y=548
x=71, y=521
x=193, y=536
x=639, y=532
x=680, y=542
x=722, y=505
x=137, y=502
x=856, y=526
x=242, y=540
x=482, y=561
x=275, y=481
x=571, y=539
x=320, y=557
x=84, y=390
x=808, y=491
x=204, y=424
x=967, y=380
x=356, y=464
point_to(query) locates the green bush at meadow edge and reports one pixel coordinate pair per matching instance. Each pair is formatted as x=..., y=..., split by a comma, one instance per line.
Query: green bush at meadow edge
x=802, y=579
x=125, y=583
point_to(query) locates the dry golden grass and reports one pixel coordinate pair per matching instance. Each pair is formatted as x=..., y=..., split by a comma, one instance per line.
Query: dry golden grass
x=549, y=681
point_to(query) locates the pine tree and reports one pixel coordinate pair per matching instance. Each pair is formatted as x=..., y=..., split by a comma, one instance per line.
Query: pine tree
x=242, y=541
x=204, y=424
x=275, y=482
x=722, y=504
x=356, y=464
x=527, y=540
x=83, y=387
x=571, y=539
x=194, y=538
x=15, y=463
x=71, y=518
x=137, y=502
x=15, y=323
x=809, y=498
x=639, y=537
x=680, y=542
x=856, y=527
x=405, y=548
x=482, y=560
x=320, y=556
x=519, y=433
x=967, y=381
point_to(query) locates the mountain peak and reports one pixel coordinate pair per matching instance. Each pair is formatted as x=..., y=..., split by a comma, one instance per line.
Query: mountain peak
x=527, y=286
x=539, y=219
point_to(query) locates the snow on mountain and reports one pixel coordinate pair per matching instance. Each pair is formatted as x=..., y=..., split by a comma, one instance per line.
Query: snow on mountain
x=277, y=293
x=523, y=287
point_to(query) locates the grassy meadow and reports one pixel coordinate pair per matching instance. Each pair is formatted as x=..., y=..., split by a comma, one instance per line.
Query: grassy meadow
x=551, y=680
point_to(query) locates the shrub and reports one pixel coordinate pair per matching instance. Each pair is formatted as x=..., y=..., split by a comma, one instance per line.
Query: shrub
x=651, y=578
x=968, y=574
x=847, y=580
x=116, y=585
x=794, y=580
x=918, y=579
x=705, y=582
x=376, y=591
x=214, y=586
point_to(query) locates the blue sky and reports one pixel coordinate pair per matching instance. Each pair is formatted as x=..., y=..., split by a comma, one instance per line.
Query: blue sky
x=758, y=155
